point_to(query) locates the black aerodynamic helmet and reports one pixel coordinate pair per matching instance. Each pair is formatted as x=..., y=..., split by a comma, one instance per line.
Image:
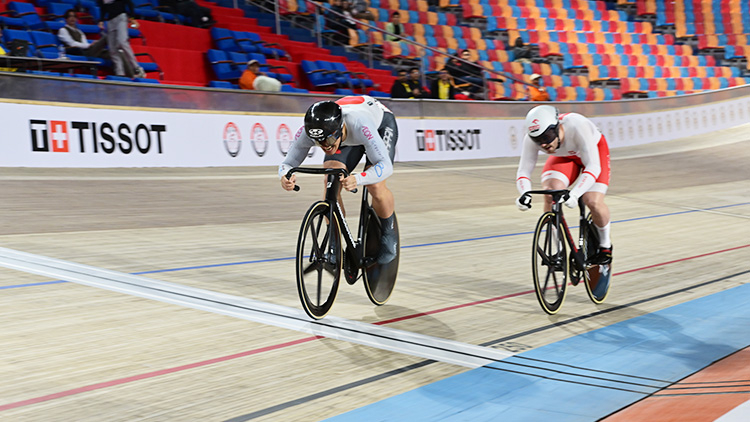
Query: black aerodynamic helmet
x=324, y=122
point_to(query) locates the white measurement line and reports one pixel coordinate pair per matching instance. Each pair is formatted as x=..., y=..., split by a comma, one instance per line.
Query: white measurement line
x=380, y=337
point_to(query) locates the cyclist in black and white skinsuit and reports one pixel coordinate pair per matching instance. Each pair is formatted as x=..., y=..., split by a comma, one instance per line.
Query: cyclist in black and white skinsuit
x=345, y=130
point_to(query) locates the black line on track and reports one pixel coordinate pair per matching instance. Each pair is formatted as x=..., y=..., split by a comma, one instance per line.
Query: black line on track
x=656, y=394
x=711, y=382
x=330, y=391
x=408, y=368
x=704, y=387
x=701, y=394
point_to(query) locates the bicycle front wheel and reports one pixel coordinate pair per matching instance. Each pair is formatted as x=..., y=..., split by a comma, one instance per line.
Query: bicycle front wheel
x=549, y=262
x=318, y=260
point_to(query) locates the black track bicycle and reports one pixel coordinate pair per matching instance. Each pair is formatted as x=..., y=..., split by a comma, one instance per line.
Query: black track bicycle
x=555, y=257
x=320, y=259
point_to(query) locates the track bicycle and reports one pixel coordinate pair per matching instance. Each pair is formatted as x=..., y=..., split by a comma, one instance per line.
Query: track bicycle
x=320, y=260
x=552, y=263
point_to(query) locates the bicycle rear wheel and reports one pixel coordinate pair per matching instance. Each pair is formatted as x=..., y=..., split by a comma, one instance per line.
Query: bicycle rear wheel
x=597, y=277
x=379, y=279
x=549, y=262
x=318, y=261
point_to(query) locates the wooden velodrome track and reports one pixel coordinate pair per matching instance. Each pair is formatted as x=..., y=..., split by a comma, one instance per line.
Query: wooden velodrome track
x=73, y=352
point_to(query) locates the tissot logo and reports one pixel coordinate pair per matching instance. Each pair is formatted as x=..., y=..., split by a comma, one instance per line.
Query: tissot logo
x=448, y=140
x=95, y=137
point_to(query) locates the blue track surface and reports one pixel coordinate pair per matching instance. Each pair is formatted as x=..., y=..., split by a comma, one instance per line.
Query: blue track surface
x=603, y=370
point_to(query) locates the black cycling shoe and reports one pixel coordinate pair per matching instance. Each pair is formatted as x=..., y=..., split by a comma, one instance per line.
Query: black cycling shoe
x=388, y=240
x=603, y=256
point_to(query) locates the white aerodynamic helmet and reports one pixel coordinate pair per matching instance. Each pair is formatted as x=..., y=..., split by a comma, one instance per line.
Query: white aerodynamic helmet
x=542, y=124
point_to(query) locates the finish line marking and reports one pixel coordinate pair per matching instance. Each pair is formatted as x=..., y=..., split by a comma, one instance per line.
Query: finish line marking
x=377, y=336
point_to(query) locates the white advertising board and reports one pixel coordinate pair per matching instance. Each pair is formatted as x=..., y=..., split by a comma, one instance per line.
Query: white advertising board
x=54, y=136
x=61, y=136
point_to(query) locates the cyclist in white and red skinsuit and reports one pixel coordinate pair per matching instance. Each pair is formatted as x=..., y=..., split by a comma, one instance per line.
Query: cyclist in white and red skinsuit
x=577, y=150
x=345, y=130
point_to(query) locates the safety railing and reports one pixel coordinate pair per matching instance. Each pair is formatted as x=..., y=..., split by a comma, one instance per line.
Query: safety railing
x=315, y=20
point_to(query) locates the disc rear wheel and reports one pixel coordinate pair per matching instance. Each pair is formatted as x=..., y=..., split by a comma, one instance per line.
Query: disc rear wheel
x=379, y=279
x=597, y=277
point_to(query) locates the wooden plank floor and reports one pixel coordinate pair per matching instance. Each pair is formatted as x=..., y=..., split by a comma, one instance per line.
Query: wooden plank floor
x=73, y=352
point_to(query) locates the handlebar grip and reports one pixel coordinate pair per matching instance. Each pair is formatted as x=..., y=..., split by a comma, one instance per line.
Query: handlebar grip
x=296, y=188
x=354, y=190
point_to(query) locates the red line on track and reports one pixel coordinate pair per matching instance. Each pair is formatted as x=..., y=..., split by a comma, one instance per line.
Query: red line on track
x=153, y=374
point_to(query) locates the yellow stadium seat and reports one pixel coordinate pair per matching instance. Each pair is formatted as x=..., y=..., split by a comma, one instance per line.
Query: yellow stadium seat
x=432, y=18
x=476, y=33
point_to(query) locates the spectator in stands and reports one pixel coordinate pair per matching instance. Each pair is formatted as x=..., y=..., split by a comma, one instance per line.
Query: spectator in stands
x=415, y=82
x=75, y=40
x=197, y=15
x=361, y=10
x=521, y=52
x=336, y=20
x=401, y=87
x=4, y=52
x=442, y=87
x=536, y=90
x=394, y=26
x=253, y=79
x=117, y=14
x=467, y=77
x=351, y=21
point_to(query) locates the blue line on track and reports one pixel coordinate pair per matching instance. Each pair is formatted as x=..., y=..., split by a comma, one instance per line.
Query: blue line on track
x=447, y=242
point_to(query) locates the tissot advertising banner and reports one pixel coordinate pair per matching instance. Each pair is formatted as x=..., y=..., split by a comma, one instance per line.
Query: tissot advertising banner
x=57, y=136
x=50, y=136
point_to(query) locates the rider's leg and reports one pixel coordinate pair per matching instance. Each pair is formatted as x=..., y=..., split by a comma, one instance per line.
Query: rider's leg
x=552, y=184
x=382, y=199
x=600, y=215
x=383, y=204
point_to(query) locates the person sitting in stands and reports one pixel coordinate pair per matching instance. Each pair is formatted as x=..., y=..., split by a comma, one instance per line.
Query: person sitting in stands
x=197, y=15
x=395, y=26
x=468, y=77
x=253, y=79
x=4, y=52
x=75, y=40
x=536, y=90
x=401, y=87
x=442, y=87
x=521, y=52
x=415, y=81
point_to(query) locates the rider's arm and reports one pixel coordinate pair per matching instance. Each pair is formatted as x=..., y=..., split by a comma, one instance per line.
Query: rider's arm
x=297, y=152
x=529, y=154
x=376, y=152
x=590, y=137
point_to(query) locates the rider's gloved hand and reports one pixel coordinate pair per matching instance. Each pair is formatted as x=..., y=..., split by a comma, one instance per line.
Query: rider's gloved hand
x=288, y=184
x=523, y=202
x=571, y=201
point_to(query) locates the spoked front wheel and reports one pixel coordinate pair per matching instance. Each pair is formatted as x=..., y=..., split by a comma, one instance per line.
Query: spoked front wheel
x=318, y=260
x=549, y=264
